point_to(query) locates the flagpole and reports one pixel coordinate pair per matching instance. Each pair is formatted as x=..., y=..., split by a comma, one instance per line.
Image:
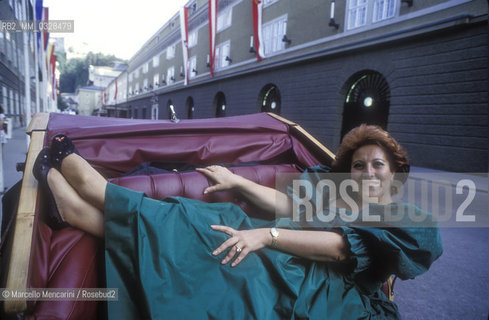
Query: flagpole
x=27, y=77
x=36, y=74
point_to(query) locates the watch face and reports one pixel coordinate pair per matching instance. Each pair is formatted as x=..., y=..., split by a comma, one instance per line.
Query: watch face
x=274, y=232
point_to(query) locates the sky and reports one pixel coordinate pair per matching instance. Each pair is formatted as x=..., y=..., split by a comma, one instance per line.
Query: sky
x=112, y=26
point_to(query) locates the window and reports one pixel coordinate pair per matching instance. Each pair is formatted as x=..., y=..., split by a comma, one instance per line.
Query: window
x=269, y=99
x=156, y=61
x=154, y=111
x=170, y=75
x=145, y=67
x=130, y=77
x=266, y=3
x=190, y=107
x=156, y=79
x=136, y=73
x=366, y=100
x=192, y=8
x=224, y=19
x=364, y=12
x=170, y=52
x=220, y=104
x=192, y=38
x=273, y=33
x=136, y=88
x=2, y=45
x=145, y=85
x=130, y=91
x=193, y=67
x=11, y=101
x=384, y=9
x=222, y=55
x=357, y=13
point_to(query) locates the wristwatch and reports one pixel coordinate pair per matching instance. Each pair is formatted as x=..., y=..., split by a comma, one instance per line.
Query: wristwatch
x=274, y=233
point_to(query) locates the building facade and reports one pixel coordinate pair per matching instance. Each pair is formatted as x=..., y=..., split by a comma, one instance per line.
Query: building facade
x=12, y=64
x=90, y=98
x=18, y=63
x=416, y=68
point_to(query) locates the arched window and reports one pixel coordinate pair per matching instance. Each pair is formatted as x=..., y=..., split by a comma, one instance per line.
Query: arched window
x=220, y=104
x=269, y=99
x=367, y=100
x=154, y=107
x=189, y=104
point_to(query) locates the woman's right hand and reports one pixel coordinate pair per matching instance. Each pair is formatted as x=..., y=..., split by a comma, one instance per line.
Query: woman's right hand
x=222, y=178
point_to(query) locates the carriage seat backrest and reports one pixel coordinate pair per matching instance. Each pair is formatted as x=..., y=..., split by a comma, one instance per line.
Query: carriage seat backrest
x=191, y=184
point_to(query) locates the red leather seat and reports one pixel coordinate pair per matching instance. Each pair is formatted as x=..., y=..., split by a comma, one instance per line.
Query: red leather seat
x=70, y=258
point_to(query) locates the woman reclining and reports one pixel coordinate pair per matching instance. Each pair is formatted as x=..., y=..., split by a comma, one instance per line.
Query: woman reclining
x=183, y=258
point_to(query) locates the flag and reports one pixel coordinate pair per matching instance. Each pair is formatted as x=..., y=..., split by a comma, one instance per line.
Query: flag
x=212, y=33
x=45, y=33
x=184, y=32
x=38, y=18
x=49, y=54
x=103, y=98
x=257, y=30
x=53, y=75
x=115, y=93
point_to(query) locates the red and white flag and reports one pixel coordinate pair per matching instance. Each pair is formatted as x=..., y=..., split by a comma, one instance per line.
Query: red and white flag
x=212, y=33
x=45, y=32
x=184, y=32
x=257, y=30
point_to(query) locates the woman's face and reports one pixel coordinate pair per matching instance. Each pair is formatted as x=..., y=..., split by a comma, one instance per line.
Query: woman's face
x=371, y=169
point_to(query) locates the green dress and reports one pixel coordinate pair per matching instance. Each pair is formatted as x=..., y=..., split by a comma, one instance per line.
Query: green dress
x=159, y=257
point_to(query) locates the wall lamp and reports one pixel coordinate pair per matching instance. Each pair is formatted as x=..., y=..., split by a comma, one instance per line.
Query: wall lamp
x=173, y=115
x=252, y=48
x=194, y=71
x=332, y=22
x=229, y=59
x=208, y=63
x=285, y=39
x=409, y=2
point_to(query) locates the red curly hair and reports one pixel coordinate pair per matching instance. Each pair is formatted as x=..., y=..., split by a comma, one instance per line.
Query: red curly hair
x=372, y=135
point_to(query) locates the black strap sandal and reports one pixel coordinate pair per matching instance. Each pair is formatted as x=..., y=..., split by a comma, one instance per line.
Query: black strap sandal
x=49, y=211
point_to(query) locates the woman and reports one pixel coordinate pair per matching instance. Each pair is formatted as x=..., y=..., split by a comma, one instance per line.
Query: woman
x=182, y=258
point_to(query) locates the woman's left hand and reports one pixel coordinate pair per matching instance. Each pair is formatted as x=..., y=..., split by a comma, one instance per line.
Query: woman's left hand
x=241, y=243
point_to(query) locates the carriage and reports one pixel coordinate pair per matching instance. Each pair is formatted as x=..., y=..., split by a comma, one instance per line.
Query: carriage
x=153, y=156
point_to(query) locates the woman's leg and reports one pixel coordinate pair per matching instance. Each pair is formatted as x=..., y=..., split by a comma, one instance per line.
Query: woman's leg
x=73, y=209
x=89, y=184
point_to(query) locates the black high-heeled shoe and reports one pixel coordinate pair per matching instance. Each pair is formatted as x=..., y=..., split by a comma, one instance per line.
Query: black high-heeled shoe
x=61, y=147
x=49, y=211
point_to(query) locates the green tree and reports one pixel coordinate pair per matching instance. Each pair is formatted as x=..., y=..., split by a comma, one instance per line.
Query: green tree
x=74, y=72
